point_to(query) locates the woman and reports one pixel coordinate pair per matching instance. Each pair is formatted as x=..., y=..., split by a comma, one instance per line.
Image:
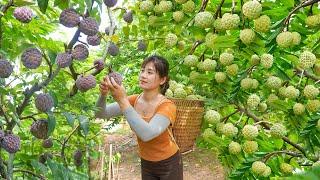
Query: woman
x=150, y=115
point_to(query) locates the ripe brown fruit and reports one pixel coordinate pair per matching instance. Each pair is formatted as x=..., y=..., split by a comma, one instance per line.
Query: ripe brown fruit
x=84, y=83
x=116, y=76
x=69, y=18
x=23, y=14
x=31, y=58
x=39, y=129
x=5, y=68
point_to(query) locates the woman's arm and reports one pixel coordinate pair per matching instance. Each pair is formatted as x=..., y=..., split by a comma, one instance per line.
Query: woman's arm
x=144, y=130
x=107, y=111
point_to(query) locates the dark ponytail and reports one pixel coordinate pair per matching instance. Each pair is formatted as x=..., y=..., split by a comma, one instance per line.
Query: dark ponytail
x=162, y=68
x=164, y=87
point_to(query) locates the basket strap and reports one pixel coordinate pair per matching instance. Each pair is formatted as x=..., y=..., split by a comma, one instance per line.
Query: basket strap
x=172, y=137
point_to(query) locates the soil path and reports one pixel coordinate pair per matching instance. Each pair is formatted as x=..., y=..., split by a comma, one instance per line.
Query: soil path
x=197, y=165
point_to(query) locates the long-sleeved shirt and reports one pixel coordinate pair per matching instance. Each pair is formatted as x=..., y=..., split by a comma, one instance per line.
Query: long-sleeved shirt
x=144, y=130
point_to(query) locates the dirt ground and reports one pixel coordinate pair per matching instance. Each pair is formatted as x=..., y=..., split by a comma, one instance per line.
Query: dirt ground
x=198, y=164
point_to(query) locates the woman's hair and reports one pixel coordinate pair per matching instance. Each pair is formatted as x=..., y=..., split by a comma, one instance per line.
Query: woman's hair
x=162, y=68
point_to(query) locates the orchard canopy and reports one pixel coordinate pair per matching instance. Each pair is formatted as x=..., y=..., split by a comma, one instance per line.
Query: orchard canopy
x=254, y=63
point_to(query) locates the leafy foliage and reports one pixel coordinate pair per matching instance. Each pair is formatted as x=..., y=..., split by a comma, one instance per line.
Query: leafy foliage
x=72, y=125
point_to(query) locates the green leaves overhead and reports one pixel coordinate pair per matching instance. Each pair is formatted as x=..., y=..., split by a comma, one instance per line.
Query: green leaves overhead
x=84, y=124
x=51, y=123
x=43, y=5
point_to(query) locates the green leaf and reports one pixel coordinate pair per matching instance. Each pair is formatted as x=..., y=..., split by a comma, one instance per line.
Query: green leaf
x=225, y=41
x=134, y=30
x=197, y=32
x=273, y=35
x=51, y=123
x=23, y=2
x=43, y=5
x=281, y=74
x=57, y=171
x=88, y=3
x=280, y=105
x=126, y=30
x=84, y=123
x=288, y=3
x=278, y=143
x=3, y=91
x=52, y=56
x=62, y=4
x=39, y=166
x=70, y=118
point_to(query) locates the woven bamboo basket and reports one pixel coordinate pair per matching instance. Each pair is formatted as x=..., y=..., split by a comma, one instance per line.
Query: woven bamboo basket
x=188, y=122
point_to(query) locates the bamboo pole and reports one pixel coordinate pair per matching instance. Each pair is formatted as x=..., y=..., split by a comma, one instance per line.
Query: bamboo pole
x=102, y=163
x=110, y=162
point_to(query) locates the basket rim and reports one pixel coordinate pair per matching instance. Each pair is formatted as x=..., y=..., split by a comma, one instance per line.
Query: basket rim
x=180, y=99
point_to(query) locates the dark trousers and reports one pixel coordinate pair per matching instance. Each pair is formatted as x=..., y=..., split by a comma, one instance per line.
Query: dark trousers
x=168, y=169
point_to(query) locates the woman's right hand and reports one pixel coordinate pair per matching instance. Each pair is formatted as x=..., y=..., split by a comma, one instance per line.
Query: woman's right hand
x=103, y=88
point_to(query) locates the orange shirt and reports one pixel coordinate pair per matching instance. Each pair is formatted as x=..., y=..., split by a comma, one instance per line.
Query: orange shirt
x=161, y=147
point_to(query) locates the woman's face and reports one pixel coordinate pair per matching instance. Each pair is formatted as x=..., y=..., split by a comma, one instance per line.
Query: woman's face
x=149, y=78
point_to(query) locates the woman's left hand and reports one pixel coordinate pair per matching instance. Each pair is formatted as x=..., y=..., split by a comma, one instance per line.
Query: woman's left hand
x=118, y=92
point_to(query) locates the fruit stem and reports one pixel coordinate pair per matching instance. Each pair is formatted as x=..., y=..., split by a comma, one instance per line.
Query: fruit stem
x=239, y=119
x=110, y=69
x=301, y=75
x=90, y=69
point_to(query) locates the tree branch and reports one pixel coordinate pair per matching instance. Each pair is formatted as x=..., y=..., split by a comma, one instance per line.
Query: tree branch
x=194, y=46
x=15, y=78
x=203, y=5
x=307, y=74
x=3, y=171
x=2, y=112
x=28, y=94
x=29, y=117
x=47, y=60
x=301, y=5
x=224, y=120
x=5, y=8
x=75, y=38
x=266, y=126
x=65, y=143
x=242, y=15
x=233, y=6
x=218, y=11
x=73, y=72
x=269, y=155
